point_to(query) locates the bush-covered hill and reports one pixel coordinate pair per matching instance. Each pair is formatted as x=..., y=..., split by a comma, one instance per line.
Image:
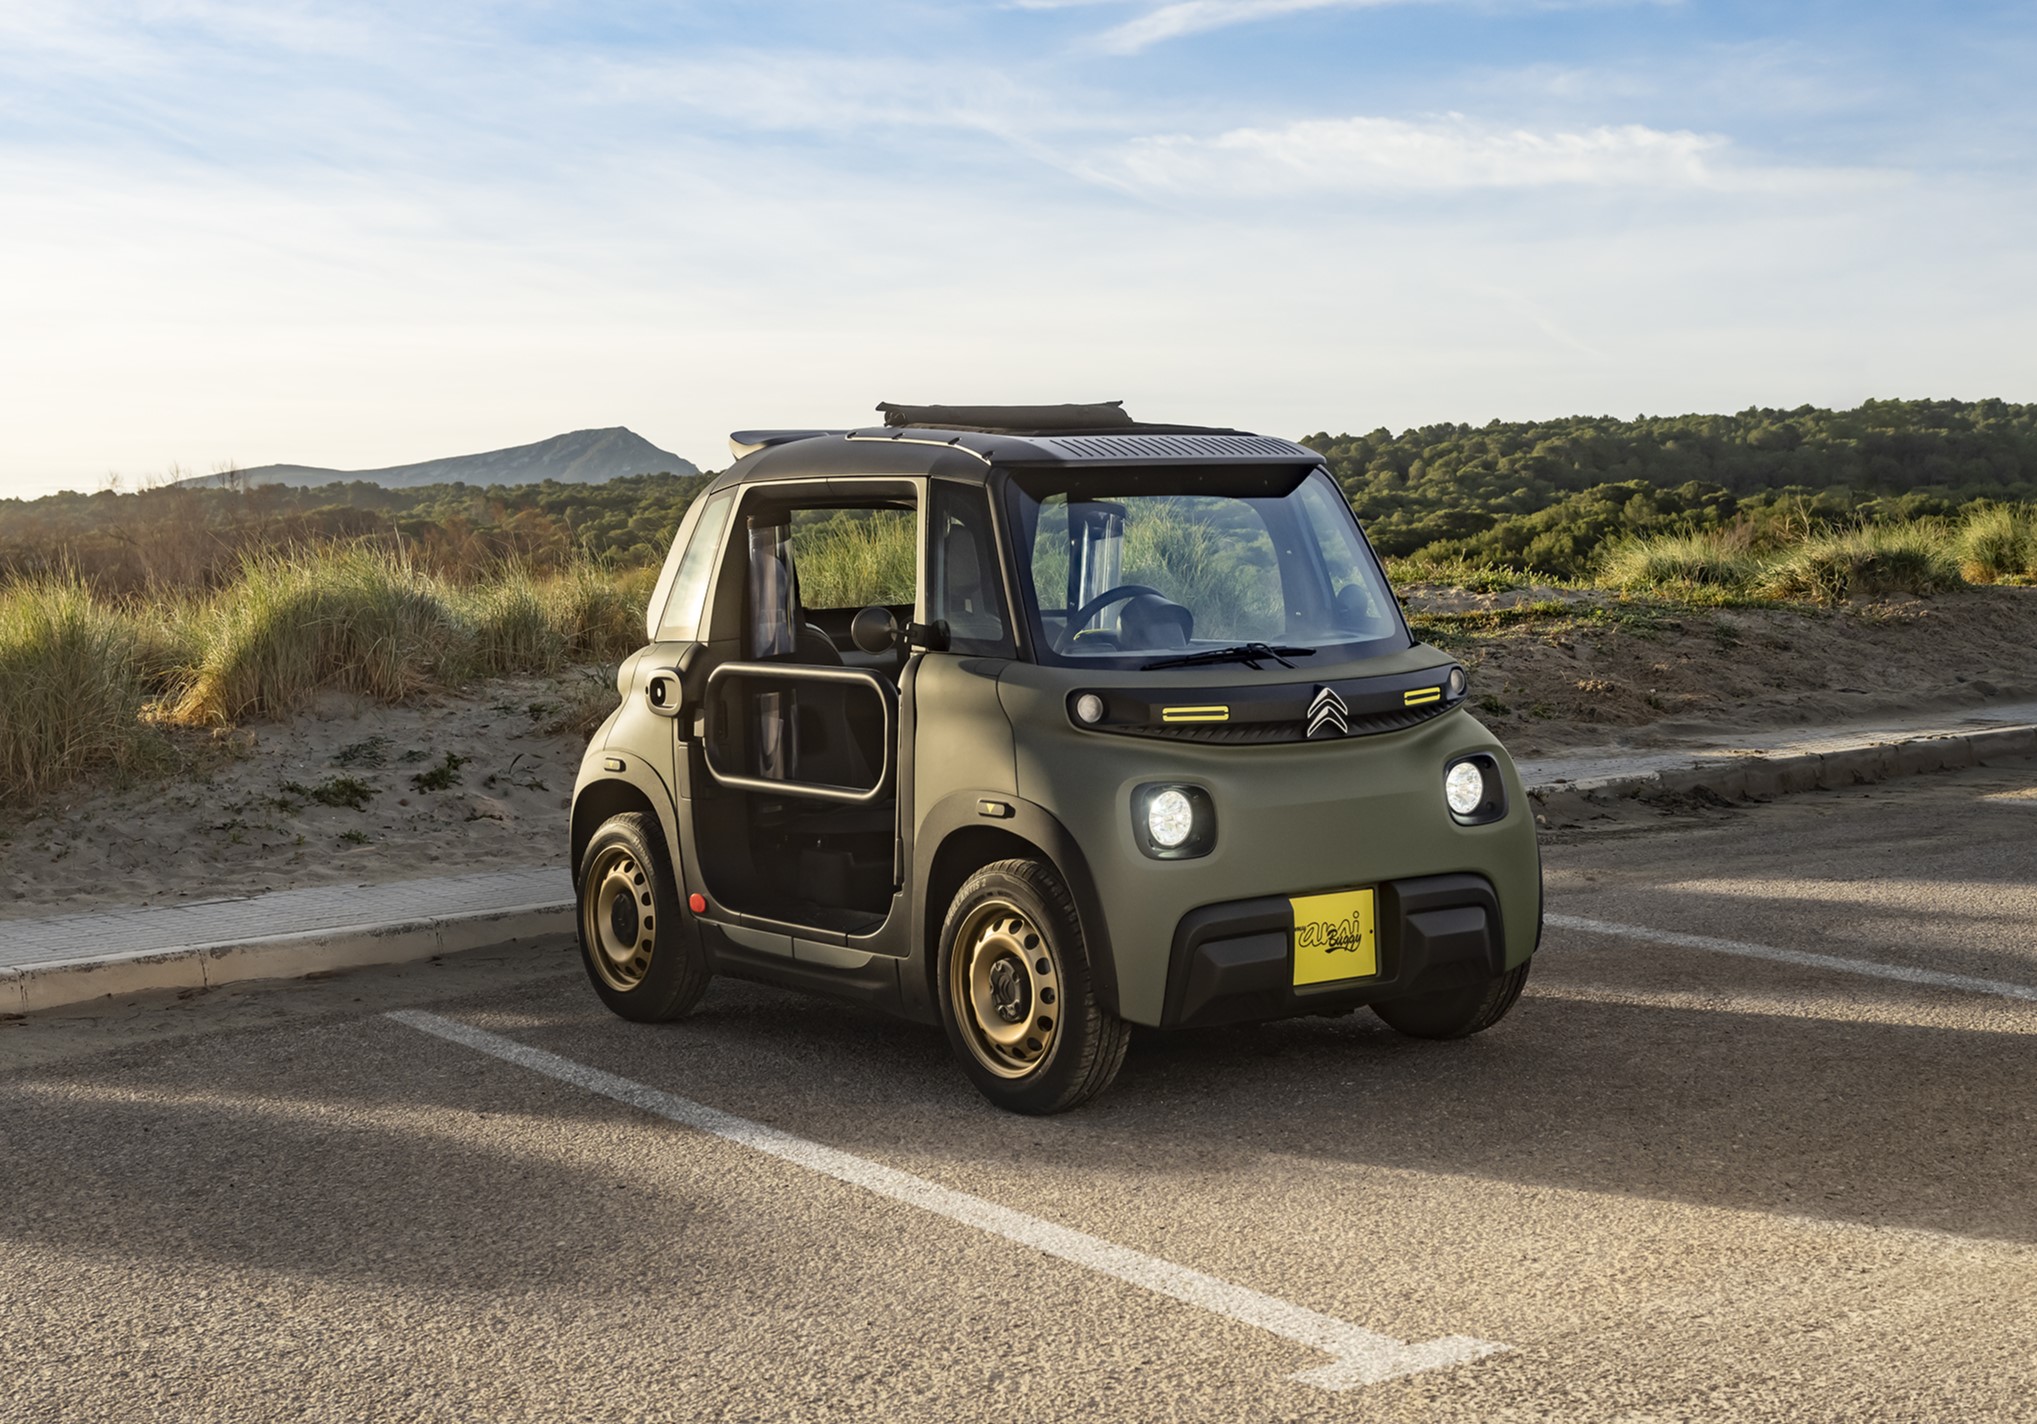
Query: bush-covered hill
x=1545, y=496
x=180, y=537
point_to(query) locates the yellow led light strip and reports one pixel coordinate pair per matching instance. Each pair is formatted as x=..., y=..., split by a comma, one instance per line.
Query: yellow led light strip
x=1421, y=695
x=1195, y=714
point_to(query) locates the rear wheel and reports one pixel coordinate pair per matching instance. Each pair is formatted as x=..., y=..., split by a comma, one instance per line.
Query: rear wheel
x=1456, y=1012
x=640, y=960
x=1017, y=996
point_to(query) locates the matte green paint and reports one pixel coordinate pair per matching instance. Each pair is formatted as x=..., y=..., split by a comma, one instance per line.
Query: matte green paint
x=1292, y=819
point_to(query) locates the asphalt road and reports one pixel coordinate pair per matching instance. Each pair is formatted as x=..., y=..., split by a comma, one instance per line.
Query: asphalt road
x=1678, y=1183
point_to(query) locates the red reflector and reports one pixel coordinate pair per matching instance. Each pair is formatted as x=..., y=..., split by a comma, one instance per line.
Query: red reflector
x=696, y=902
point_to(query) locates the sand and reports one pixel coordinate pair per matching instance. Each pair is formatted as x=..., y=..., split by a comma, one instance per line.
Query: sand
x=1609, y=671
x=249, y=820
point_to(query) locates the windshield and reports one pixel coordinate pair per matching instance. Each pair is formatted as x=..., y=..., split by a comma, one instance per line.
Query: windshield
x=1124, y=568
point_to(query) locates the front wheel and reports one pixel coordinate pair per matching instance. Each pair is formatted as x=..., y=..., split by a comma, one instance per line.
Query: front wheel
x=1456, y=1012
x=1017, y=996
x=632, y=941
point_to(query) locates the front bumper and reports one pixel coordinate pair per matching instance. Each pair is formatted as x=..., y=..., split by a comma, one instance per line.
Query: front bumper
x=1234, y=962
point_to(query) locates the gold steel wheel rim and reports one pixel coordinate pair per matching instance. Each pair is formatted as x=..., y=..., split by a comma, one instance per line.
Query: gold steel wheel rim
x=1004, y=985
x=616, y=921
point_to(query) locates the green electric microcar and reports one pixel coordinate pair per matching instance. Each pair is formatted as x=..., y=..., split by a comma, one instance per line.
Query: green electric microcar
x=1038, y=723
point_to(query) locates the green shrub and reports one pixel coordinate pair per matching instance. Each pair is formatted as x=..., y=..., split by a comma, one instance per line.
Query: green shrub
x=1864, y=562
x=355, y=619
x=1708, y=559
x=75, y=675
x=1997, y=542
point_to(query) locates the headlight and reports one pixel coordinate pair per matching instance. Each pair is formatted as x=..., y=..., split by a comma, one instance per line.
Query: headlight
x=1173, y=822
x=1169, y=819
x=1464, y=788
x=1474, y=790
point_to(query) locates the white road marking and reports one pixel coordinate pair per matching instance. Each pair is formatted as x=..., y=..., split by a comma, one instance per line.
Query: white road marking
x=1937, y=979
x=1360, y=1356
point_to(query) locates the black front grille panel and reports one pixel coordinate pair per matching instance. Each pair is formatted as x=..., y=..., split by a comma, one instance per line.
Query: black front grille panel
x=1264, y=733
x=1267, y=713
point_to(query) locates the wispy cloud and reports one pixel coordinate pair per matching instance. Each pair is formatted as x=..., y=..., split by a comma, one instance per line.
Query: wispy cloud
x=1188, y=17
x=1442, y=154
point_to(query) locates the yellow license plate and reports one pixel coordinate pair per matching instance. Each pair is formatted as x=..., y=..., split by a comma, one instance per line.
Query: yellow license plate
x=1334, y=937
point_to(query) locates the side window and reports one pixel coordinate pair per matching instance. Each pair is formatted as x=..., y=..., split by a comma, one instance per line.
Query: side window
x=963, y=586
x=681, y=620
x=855, y=558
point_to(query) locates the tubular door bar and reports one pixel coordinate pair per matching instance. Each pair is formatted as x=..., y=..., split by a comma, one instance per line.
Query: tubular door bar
x=796, y=673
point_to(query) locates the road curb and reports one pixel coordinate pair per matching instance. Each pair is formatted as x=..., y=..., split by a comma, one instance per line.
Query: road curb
x=30, y=988
x=1755, y=777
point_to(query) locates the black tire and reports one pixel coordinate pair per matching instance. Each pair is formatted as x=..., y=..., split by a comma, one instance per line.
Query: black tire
x=665, y=975
x=1456, y=1012
x=1080, y=1052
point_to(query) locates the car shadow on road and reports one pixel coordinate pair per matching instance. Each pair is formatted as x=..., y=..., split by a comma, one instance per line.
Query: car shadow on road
x=362, y=1150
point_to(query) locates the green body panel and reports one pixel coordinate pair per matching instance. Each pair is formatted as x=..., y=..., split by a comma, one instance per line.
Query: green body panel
x=1291, y=819
x=962, y=740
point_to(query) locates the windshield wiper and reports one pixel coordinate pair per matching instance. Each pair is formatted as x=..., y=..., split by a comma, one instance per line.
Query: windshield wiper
x=1250, y=654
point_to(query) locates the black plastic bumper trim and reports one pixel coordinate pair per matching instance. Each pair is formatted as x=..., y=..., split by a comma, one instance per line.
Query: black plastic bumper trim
x=1233, y=962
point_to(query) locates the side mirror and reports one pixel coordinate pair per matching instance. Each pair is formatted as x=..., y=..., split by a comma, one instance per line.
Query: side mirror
x=874, y=631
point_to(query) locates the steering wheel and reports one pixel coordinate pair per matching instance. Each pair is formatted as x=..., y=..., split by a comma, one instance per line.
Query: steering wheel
x=1083, y=616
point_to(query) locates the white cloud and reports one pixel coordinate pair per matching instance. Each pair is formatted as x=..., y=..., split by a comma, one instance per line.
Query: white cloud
x=1188, y=17
x=1448, y=153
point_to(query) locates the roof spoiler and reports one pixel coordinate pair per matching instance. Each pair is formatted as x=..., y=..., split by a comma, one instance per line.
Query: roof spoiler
x=749, y=442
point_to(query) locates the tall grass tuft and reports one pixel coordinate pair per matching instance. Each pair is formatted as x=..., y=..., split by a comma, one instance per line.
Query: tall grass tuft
x=600, y=616
x=1997, y=542
x=356, y=619
x=511, y=627
x=75, y=674
x=1706, y=559
x=1864, y=562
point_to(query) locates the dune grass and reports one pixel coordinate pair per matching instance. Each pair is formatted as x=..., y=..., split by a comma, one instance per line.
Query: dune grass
x=1867, y=562
x=1819, y=565
x=90, y=685
x=1705, y=559
x=75, y=677
x=1997, y=543
x=355, y=619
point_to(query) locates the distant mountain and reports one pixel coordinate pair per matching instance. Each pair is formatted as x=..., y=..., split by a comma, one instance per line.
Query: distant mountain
x=584, y=457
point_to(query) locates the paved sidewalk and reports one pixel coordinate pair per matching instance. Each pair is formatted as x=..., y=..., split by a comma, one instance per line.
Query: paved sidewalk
x=1577, y=786
x=1593, y=767
x=66, y=959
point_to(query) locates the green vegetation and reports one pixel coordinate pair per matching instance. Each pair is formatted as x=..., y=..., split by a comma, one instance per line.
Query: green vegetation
x=444, y=776
x=1713, y=558
x=91, y=684
x=1864, y=562
x=188, y=539
x=124, y=615
x=75, y=677
x=347, y=791
x=1547, y=497
x=1991, y=544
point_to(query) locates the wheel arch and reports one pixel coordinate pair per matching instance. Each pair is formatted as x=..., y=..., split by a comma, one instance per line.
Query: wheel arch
x=614, y=796
x=964, y=841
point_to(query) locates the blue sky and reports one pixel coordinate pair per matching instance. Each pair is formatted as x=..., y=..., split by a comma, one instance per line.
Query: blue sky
x=354, y=235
